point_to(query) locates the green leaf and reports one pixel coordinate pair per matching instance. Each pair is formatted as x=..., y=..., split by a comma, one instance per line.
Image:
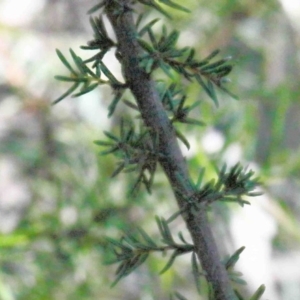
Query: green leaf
x=111, y=136
x=175, y=215
x=182, y=138
x=146, y=46
x=135, y=263
x=167, y=235
x=169, y=42
x=131, y=105
x=90, y=72
x=65, y=62
x=200, y=178
x=79, y=63
x=147, y=26
x=193, y=122
x=254, y=194
x=169, y=263
x=239, y=296
x=196, y=272
x=70, y=79
x=152, y=38
x=211, y=293
x=222, y=88
x=146, y=237
x=130, y=169
x=179, y=296
x=67, y=93
x=258, y=293
x=114, y=103
x=112, y=150
x=201, y=82
x=235, y=278
x=118, y=170
x=103, y=143
x=159, y=225
x=98, y=70
x=212, y=55
x=236, y=200
x=139, y=20
x=131, y=238
x=152, y=3
x=239, y=281
x=100, y=30
x=222, y=71
x=212, y=66
x=191, y=55
x=86, y=90
x=174, y=5
x=165, y=68
x=142, y=259
x=212, y=93
x=180, y=235
x=96, y=7
x=194, y=105
x=108, y=74
x=83, y=68
x=173, y=53
x=234, y=258
x=119, y=277
x=149, y=65
x=118, y=244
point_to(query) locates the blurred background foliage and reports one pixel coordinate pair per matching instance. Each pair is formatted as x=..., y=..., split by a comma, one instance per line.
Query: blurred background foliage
x=57, y=200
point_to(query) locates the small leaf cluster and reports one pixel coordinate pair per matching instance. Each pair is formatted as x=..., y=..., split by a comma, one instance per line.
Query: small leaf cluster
x=90, y=77
x=134, y=248
x=231, y=186
x=137, y=151
x=174, y=103
x=158, y=53
x=82, y=75
x=229, y=265
x=236, y=276
x=162, y=53
x=101, y=41
x=256, y=296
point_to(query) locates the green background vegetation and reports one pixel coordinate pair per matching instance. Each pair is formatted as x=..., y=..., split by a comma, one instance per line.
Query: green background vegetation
x=57, y=200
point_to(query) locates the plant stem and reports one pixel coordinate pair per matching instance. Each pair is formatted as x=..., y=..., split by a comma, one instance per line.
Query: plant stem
x=172, y=161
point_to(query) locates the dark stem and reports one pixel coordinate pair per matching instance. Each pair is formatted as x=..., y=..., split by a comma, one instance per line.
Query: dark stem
x=172, y=161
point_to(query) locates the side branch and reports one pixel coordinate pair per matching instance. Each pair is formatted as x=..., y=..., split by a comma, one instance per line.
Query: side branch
x=172, y=161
